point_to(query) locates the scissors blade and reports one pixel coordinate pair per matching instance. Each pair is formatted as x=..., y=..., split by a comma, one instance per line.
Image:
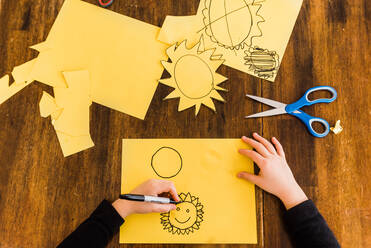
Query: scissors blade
x=271, y=112
x=269, y=102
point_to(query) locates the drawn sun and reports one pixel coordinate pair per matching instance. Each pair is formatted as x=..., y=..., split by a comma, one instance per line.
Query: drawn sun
x=186, y=218
x=232, y=24
x=193, y=76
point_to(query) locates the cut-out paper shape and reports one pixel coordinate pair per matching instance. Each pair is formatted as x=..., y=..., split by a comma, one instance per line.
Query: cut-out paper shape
x=193, y=76
x=22, y=73
x=22, y=78
x=48, y=107
x=7, y=91
x=337, y=128
x=70, y=112
x=209, y=171
x=71, y=145
x=186, y=218
x=122, y=55
x=162, y=158
x=75, y=101
x=235, y=27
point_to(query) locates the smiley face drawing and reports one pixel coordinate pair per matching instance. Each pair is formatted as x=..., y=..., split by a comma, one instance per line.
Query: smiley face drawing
x=186, y=218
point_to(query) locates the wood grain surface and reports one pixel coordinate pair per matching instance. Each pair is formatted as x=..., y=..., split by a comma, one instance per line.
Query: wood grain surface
x=44, y=196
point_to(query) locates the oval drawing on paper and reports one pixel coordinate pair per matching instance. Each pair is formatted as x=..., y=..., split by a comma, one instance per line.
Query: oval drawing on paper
x=166, y=162
x=225, y=22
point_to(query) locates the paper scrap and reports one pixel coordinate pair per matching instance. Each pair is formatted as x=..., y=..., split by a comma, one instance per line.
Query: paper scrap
x=202, y=170
x=48, y=106
x=7, y=91
x=252, y=35
x=70, y=111
x=337, y=129
x=71, y=145
x=114, y=48
x=22, y=73
x=193, y=76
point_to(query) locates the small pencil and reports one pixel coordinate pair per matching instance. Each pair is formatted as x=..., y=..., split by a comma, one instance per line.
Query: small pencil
x=147, y=198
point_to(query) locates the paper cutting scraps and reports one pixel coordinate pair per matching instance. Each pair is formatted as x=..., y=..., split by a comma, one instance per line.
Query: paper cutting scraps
x=252, y=35
x=337, y=129
x=114, y=48
x=22, y=78
x=202, y=170
x=193, y=76
x=70, y=112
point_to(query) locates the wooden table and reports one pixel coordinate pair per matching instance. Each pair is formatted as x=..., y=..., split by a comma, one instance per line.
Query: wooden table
x=44, y=196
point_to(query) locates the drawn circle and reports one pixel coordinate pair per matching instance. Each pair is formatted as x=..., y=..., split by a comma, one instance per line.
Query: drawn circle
x=224, y=22
x=185, y=73
x=186, y=218
x=164, y=157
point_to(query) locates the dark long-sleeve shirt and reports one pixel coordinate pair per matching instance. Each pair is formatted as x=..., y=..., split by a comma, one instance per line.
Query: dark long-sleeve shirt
x=305, y=224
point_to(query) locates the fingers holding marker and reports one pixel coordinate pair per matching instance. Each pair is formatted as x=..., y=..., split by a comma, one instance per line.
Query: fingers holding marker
x=167, y=186
x=162, y=208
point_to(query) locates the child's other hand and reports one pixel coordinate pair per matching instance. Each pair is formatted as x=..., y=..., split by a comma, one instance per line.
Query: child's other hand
x=275, y=175
x=151, y=187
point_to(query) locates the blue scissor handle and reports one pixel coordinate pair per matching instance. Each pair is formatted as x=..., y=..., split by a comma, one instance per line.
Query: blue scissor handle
x=309, y=120
x=304, y=101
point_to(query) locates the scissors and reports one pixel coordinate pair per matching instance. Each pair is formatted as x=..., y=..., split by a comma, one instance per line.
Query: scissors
x=104, y=3
x=294, y=109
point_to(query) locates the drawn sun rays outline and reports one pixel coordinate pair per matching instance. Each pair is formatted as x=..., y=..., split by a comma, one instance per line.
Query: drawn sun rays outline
x=173, y=229
x=178, y=52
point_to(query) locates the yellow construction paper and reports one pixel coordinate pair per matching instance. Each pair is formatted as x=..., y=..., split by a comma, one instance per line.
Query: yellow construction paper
x=47, y=105
x=204, y=173
x=7, y=91
x=22, y=73
x=75, y=101
x=193, y=76
x=122, y=55
x=71, y=145
x=252, y=35
x=70, y=111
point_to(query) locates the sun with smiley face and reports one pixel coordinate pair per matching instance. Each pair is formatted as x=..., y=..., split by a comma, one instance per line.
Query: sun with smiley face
x=186, y=218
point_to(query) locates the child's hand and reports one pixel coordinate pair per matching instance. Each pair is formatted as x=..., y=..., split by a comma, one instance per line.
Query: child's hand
x=151, y=187
x=275, y=175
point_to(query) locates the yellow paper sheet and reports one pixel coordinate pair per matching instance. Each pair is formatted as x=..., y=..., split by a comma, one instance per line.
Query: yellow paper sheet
x=204, y=168
x=252, y=35
x=193, y=76
x=75, y=101
x=22, y=73
x=71, y=145
x=48, y=106
x=7, y=91
x=122, y=55
x=70, y=111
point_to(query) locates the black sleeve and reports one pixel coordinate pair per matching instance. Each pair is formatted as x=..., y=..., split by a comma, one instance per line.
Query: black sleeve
x=308, y=228
x=97, y=230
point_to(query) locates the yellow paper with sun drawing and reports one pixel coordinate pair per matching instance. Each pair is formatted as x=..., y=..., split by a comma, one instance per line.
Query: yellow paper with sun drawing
x=252, y=35
x=216, y=207
x=193, y=75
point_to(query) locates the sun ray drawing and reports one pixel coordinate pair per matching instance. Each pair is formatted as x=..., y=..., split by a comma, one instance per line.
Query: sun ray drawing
x=193, y=76
x=186, y=218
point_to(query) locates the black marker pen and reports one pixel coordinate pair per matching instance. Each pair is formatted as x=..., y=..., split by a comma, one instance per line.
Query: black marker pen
x=147, y=198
